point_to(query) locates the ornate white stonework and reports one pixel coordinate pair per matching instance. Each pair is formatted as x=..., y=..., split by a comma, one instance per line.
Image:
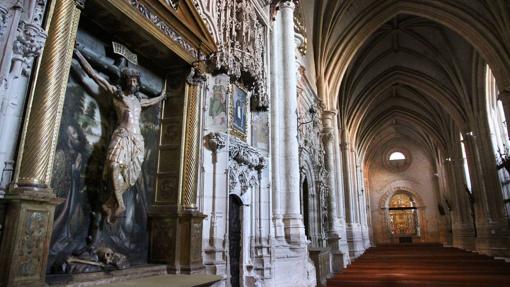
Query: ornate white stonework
x=3, y=19
x=240, y=29
x=29, y=43
x=21, y=40
x=245, y=162
x=312, y=156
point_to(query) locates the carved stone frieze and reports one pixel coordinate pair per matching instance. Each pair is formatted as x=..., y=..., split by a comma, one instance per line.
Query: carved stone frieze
x=245, y=161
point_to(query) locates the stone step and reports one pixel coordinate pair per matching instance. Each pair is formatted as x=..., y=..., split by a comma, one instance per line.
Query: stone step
x=99, y=278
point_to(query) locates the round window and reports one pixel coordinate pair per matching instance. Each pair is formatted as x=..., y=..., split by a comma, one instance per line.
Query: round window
x=397, y=159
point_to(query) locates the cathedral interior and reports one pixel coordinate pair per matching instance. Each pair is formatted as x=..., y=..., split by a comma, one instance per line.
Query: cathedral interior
x=233, y=143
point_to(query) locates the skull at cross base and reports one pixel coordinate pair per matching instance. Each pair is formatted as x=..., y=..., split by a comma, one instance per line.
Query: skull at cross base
x=105, y=255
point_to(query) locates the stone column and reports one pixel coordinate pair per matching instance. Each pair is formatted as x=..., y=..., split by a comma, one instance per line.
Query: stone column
x=289, y=173
x=276, y=136
x=29, y=220
x=335, y=233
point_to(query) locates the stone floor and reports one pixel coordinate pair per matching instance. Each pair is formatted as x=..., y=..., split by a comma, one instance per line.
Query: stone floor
x=173, y=280
x=140, y=276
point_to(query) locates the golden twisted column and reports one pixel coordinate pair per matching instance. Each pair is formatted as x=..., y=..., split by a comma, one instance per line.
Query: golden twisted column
x=40, y=132
x=30, y=201
x=191, y=148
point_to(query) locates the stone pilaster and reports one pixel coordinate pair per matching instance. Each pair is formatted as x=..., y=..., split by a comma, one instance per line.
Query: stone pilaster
x=30, y=199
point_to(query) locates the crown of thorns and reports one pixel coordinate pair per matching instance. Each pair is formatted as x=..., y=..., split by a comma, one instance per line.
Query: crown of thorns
x=127, y=73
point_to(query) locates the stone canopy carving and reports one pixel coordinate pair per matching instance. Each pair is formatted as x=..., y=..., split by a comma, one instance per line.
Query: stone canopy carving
x=245, y=162
x=241, y=48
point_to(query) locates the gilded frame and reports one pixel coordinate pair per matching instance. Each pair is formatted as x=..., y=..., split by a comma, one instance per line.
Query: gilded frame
x=238, y=111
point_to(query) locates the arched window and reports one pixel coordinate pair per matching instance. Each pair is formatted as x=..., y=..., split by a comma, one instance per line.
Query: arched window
x=397, y=156
x=499, y=134
x=403, y=215
x=465, y=164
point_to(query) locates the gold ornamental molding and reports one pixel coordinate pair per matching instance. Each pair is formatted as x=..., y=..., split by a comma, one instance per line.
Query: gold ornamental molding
x=190, y=151
x=178, y=27
x=46, y=99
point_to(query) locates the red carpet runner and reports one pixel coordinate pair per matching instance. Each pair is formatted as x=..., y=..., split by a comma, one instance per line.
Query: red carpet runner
x=423, y=265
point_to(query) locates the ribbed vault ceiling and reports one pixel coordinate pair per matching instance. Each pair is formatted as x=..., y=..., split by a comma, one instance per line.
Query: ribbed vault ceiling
x=341, y=27
x=411, y=78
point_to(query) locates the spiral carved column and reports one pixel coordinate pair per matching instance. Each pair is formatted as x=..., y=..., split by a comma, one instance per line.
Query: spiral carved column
x=31, y=204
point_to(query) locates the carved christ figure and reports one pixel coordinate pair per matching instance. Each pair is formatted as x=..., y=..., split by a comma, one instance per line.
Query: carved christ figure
x=125, y=153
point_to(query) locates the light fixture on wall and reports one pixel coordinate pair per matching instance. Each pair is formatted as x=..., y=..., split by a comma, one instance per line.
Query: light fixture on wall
x=312, y=113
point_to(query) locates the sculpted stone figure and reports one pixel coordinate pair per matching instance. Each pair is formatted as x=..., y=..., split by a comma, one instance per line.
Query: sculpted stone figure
x=125, y=153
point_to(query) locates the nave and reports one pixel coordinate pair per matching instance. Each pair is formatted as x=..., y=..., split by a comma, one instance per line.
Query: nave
x=425, y=264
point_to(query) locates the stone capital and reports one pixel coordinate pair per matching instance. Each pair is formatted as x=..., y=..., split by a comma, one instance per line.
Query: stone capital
x=288, y=4
x=344, y=145
x=329, y=116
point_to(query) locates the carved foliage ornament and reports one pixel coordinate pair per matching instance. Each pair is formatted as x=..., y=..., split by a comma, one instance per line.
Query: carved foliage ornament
x=245, y=161
x=241, y=48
